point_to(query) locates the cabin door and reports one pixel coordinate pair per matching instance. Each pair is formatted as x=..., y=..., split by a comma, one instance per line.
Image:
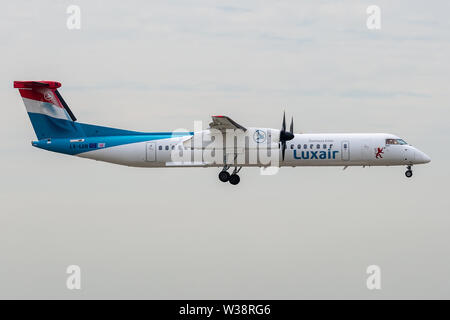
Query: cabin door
x=345, y=150
x=151, y=151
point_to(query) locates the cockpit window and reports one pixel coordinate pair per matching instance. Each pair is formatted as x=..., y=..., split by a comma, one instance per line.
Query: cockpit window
x=395, y=141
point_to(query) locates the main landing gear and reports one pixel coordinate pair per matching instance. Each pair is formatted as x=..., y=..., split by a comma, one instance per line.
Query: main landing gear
x=224, y=176
x=408, y=172
x=233, y=178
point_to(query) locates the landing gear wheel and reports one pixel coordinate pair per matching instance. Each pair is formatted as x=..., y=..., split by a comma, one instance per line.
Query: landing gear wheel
x=234, y=179
x=224, y=176
x=408, y=172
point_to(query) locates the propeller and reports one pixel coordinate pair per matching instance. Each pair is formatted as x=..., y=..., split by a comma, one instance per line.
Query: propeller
x=286, y=135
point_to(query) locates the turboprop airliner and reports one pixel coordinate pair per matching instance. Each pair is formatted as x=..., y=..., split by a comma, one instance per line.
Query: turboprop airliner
x=225, y=144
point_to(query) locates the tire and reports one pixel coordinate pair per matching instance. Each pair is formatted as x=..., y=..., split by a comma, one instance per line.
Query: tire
x=224, y=176
x=234, y=179
x=408, y=173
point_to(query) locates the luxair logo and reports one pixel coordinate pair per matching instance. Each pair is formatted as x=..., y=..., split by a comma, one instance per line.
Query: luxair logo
x=259, y=136
x=315, y=155
x=379, y=153
x=48, y=96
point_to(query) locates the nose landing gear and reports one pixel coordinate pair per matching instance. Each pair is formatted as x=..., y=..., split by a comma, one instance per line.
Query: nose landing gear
x=408, y=172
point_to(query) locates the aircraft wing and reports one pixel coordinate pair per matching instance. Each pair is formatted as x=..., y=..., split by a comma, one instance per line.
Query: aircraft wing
x=223, y=123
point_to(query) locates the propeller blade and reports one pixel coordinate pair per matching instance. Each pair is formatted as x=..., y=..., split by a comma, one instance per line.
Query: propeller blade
x=285, y=135
x=292, y=125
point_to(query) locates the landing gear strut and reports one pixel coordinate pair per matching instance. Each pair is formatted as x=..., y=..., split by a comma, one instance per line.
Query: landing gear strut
x=408, y=172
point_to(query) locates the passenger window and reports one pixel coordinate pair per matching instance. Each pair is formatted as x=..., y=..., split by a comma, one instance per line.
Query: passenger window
x=299, y=146
x=324, y=146
x=173, y=147
x=305, y=146
x=292, y=146
x=160, y=147
x=311, y=146
x=167, y=147
x=318, y=146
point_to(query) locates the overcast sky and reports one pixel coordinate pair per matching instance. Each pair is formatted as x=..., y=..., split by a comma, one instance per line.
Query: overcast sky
x=159, y=233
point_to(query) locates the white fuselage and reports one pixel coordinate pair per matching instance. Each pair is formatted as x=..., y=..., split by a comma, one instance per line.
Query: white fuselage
x=328, y=149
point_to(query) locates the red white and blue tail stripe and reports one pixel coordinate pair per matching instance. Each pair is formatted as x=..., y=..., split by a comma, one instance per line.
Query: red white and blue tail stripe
x=43, y=97
x=49, y=113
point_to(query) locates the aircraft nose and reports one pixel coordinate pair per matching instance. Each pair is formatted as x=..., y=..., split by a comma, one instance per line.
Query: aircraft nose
x=421, y=157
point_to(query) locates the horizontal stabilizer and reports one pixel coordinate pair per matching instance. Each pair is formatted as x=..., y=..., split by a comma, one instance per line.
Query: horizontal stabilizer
x=36, y=84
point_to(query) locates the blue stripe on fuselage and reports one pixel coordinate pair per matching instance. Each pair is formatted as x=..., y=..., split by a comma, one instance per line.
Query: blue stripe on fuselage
x=69, y=137
x=49, y=127
x=76, y=146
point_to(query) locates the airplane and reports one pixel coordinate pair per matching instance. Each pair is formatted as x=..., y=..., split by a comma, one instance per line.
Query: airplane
x=224, y=144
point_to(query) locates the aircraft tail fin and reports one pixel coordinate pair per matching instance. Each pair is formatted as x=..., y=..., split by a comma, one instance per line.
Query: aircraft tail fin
x=50, y=115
